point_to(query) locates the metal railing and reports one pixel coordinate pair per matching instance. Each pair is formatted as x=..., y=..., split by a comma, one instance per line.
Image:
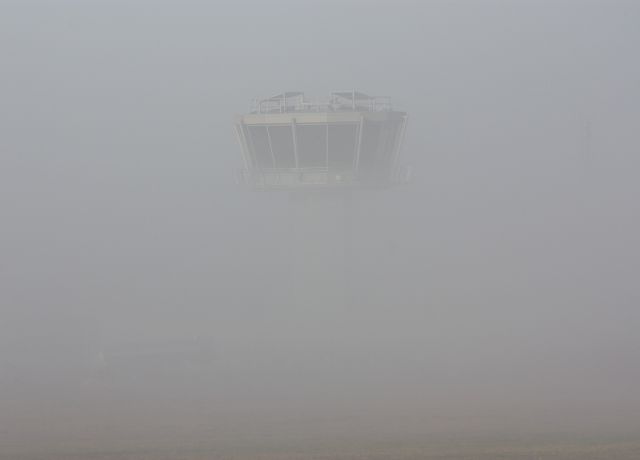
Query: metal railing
x=336, y=102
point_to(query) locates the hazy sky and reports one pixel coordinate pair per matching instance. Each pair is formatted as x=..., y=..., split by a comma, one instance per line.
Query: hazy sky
x=507, y=271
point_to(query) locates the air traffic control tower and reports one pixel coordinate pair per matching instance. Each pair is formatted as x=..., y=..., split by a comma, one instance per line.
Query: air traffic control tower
x=320, y=152
x=349, y=140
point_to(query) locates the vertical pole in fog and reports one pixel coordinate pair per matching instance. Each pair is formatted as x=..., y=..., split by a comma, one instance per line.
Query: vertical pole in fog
x=348, y=261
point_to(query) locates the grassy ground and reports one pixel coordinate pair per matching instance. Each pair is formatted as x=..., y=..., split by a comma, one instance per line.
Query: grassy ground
x=556, y=451
x=91, y=426
x=118, y=435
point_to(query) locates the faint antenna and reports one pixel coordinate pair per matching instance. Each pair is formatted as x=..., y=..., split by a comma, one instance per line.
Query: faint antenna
x=588, y=139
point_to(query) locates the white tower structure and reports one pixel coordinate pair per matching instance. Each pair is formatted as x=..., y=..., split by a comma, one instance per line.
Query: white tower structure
x=321, y=151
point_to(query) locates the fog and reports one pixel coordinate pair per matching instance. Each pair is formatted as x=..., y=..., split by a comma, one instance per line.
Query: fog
x=144, y=292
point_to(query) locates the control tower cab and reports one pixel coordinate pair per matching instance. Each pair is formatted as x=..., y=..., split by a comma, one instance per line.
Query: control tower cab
x=350, y=140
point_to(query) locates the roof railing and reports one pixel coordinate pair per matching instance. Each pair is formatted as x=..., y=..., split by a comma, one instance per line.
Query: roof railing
x=338, y=101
